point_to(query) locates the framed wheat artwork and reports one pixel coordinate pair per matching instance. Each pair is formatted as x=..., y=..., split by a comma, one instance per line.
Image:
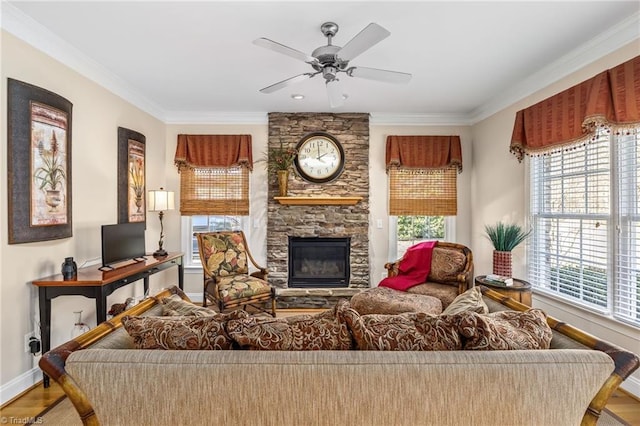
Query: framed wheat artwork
x=131, y=176
x=39, y=164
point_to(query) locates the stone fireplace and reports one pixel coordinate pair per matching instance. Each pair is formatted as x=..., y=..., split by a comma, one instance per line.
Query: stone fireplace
x=325, y=219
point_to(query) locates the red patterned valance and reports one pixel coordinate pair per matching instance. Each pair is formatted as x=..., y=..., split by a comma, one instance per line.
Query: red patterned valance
x=425, y=152
x=202, y=151
x=608, y=100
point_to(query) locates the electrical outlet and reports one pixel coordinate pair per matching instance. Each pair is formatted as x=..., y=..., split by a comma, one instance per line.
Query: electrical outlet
x=28, y=336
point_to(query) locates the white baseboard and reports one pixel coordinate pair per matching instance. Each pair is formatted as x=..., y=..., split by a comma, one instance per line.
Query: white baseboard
x=632, y=386
x=195, y=297
x=20, y=384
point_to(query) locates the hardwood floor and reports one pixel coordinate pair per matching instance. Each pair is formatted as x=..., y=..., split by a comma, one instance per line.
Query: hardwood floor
x=37, y=400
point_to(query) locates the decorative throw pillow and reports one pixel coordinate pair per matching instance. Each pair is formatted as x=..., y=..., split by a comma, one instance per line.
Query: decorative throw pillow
x=469, y=301
x=505, y=330
x=446, y=264
x=193, y=333
x=174, y=305
x=414, y=331
x=323, y=331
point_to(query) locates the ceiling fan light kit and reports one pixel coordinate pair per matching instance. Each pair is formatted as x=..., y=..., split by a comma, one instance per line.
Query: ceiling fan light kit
x=332, y=60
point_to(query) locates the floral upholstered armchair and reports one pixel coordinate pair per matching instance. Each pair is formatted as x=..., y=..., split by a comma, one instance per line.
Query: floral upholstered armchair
x=227, y=281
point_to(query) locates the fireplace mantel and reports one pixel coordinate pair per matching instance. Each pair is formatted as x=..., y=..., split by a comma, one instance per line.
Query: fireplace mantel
x=309, y=201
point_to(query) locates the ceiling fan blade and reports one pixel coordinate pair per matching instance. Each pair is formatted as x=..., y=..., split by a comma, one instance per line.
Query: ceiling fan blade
x=287, y=82
x=369, y=36
x=334, y=90
x=285, y=50
x=379, y=75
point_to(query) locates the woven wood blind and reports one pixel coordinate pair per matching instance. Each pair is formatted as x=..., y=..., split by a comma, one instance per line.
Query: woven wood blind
x=427, y=192
x=214, y=191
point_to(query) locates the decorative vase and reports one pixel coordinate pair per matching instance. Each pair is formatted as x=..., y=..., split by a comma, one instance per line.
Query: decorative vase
x=53, y=198
x=502, y=263
x=79, y=327
x=138, y=201
x=69, y=269
x=283, y=182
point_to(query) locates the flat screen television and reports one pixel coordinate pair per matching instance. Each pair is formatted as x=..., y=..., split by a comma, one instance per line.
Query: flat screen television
x=124, y=241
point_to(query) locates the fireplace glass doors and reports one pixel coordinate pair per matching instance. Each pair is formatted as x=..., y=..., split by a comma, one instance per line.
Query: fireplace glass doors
x=319, y=262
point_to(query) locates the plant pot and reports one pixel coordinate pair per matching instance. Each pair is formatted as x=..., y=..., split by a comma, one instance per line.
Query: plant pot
x=283, y=182
x=502, y=263
x=53, y=198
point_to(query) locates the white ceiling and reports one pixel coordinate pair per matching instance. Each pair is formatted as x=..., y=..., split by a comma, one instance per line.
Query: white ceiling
x=194, y=61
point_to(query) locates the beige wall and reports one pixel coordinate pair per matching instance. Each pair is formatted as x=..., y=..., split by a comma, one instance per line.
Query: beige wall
x=97, y=113
x=498, y=193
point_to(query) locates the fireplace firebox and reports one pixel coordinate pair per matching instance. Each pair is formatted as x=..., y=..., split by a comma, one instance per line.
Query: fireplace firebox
x=319, y=262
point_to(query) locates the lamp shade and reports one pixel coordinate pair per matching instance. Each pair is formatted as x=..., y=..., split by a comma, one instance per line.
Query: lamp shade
x=160, y=200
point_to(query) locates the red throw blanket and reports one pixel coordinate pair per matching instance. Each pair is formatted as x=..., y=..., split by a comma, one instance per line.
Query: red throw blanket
x=414, y=267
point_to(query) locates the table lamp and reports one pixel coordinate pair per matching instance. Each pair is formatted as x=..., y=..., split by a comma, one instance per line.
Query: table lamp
x=159, y=201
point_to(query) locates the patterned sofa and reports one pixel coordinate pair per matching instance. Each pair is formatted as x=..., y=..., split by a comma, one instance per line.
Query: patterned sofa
x=112, y=383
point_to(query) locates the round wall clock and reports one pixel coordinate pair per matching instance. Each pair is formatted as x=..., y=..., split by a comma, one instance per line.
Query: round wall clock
x=320, y=157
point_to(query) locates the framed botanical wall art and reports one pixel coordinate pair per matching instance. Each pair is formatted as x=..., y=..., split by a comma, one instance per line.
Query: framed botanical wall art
x=38, y=163
x=131, y=176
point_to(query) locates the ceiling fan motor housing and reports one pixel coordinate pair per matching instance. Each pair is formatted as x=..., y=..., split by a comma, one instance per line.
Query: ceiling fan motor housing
x=327, y=56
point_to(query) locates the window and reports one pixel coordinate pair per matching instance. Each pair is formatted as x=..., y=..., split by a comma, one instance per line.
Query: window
x=585, y=213
x=405, y=231
x=414, y=229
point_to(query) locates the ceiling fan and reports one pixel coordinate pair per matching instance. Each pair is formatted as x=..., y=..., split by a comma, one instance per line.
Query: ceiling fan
x=332, y=60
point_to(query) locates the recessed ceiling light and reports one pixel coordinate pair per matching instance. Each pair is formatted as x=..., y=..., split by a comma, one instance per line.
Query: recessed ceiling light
x=345, y=96
x=297, y=96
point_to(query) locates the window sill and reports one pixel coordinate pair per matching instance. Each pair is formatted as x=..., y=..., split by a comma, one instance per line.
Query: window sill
x=585, y=313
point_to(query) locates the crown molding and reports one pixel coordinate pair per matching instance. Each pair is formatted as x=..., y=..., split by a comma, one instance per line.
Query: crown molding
x=391, y=119
x=32, y=32
x=199, y=117
x=14, y=21
x=611, y=40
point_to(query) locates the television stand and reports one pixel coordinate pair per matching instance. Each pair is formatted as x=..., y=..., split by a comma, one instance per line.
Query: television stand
x=94, y=283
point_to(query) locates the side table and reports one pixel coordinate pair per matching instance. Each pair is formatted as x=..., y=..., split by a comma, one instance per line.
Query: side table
x=520, y=291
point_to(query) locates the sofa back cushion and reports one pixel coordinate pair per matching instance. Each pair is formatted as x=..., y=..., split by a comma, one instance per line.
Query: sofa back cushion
x=181, y=332
x=322, y=331
x=446, y=264
x=506, y=330
x=414, y=331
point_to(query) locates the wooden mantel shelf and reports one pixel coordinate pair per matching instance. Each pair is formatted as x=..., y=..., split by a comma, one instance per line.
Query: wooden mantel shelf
x=310, y=201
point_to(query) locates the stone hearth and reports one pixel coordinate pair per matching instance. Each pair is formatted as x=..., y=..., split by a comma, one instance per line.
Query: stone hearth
x=352, y=130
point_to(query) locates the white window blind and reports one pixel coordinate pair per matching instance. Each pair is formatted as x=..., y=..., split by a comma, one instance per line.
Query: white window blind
x=626, y=299
x=584, y=214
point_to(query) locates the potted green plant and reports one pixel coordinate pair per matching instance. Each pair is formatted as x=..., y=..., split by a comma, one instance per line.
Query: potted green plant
x=504, y=237
x=280, y=161
x=51, y=174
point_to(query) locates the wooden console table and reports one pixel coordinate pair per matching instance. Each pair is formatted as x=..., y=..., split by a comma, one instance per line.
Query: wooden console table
x=96, y=284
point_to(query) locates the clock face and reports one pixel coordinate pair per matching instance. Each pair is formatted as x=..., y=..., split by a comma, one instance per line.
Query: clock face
x=320, y=158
